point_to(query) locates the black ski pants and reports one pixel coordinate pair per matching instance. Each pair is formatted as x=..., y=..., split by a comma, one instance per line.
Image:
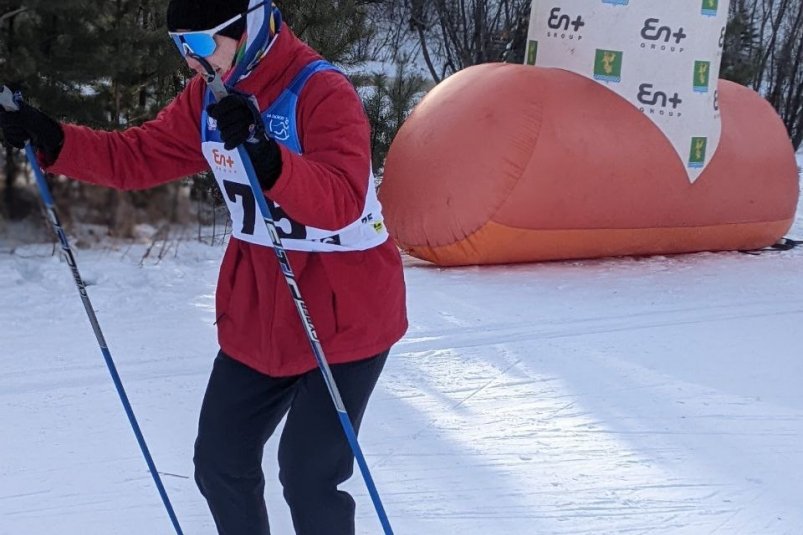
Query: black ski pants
x=241, y=410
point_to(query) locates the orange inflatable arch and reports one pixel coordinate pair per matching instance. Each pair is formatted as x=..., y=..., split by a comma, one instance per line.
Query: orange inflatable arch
x=508, y=163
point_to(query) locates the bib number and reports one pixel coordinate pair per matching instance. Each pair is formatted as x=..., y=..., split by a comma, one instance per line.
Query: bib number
x=249, y=204
x=285, y=226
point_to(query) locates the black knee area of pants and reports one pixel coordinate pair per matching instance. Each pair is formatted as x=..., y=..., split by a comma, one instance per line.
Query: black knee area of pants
x=218, y=475
x=316, y=504
x=219, y=455
x=302, y=476
x=236, y=488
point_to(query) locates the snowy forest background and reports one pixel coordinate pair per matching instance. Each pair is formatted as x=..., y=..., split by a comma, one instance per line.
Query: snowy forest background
x=109, y=64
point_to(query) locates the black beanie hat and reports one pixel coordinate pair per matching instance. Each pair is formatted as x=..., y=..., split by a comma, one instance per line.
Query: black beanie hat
x=206, y=14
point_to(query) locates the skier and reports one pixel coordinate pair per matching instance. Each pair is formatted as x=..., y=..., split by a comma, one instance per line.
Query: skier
x=304, y=128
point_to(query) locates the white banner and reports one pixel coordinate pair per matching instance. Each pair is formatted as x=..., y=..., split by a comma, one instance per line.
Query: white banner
x=663, y=56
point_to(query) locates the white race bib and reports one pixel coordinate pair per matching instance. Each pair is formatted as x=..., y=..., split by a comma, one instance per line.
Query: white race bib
x=247, y=224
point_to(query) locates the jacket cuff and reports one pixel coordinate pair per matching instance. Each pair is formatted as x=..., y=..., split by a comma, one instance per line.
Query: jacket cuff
x=57, y=166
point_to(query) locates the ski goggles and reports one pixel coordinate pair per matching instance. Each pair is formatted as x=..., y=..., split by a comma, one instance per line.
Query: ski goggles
x=202, y=42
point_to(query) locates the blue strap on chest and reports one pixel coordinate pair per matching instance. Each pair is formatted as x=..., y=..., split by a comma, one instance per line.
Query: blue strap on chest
x=280, y=118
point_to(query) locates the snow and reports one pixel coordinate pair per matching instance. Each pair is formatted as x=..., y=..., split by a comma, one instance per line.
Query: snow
x=636, y=395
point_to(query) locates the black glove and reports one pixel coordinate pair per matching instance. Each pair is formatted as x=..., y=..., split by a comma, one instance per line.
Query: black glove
x=239, y=122
x=29, y=123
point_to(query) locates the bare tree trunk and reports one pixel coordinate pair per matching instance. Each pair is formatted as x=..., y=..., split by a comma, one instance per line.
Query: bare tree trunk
x=780, y=13
x=418, y=23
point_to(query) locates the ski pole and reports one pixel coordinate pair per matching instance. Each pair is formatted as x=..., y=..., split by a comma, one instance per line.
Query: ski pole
x=219, y=90
x=12, y=101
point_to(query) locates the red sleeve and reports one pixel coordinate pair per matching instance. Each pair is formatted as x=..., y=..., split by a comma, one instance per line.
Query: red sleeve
x=326, y=186
x=161, y=150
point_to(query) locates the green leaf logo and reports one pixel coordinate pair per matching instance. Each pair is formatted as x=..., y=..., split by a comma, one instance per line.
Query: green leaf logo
x=698, y=149
x=532, y=52
x=702, y=76
x=608, y=65
x=710, y=8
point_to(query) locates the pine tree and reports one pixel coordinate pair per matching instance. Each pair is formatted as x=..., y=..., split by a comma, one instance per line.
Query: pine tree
x=103, y=64
x=388, y=101
x=338, y=29
x=741, y=47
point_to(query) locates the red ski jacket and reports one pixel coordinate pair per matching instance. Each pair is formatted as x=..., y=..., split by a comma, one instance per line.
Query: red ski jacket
x=356, y=299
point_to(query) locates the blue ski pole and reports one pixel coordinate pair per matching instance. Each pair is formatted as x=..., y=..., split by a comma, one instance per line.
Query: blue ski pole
x=11, y=101
x=219, y=90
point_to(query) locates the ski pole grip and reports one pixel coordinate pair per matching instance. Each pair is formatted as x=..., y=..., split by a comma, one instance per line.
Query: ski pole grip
x=9, y=100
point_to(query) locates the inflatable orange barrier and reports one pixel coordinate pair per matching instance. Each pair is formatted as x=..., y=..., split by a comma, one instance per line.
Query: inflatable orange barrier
x=507, y=163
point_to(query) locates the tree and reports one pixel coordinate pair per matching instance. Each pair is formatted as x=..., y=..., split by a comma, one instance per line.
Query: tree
x=388, y=101
x=764, y=50
x=782, y=72
x=455, y=34
x=338, y=29
x=103, y=64
x=739, y=57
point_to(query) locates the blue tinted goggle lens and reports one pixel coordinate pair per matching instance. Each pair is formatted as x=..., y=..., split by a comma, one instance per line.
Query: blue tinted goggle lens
x=200, y=44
